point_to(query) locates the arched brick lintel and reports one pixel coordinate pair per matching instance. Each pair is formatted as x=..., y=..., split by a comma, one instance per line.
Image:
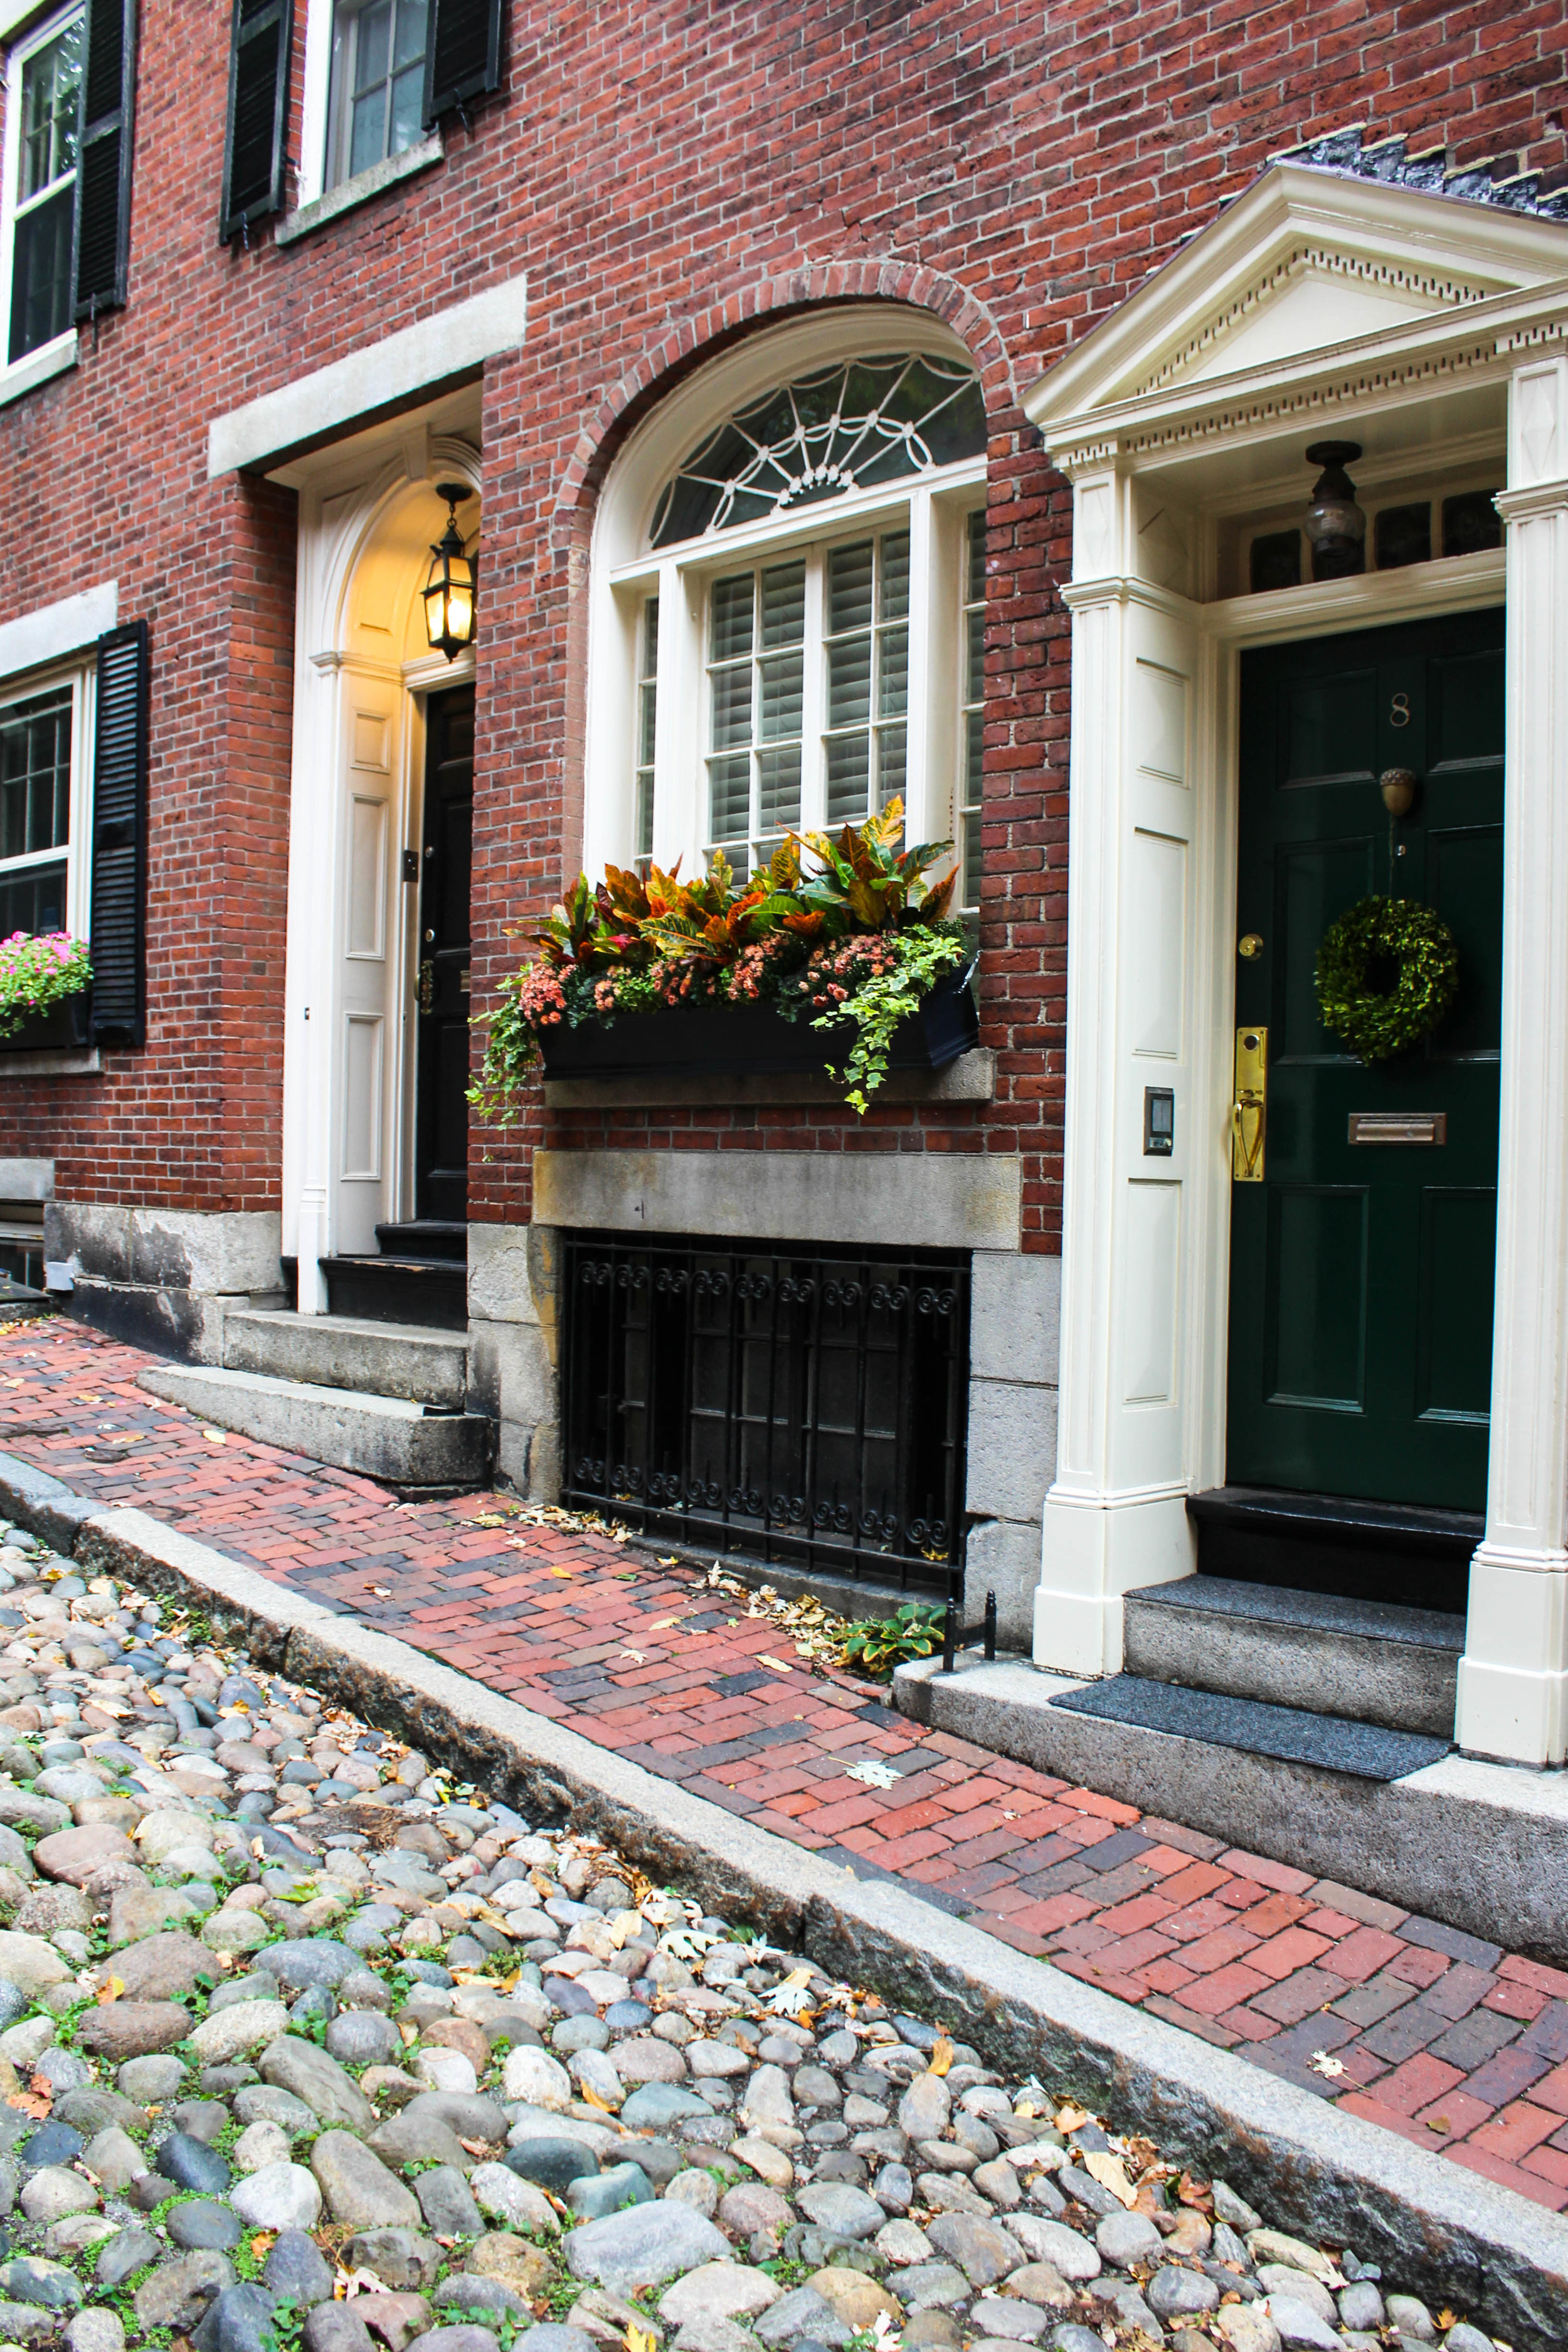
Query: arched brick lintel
x=688, y=342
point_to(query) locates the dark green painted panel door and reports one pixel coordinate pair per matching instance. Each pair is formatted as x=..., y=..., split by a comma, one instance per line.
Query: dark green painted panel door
x=1361, y=1285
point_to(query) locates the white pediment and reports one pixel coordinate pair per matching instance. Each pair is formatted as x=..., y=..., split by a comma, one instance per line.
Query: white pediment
x=1305, y=265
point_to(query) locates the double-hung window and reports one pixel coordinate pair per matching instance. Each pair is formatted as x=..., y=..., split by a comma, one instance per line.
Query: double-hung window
x=809, y=594
x=42, y=95
x=44, y=884
x=378, y=82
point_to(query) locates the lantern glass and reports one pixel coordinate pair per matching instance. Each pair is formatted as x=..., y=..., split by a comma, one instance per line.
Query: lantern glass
x=450, y=589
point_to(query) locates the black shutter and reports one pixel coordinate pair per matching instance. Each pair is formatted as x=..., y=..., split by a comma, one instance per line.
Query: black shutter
x=103, y=170
x=118, y=934
x=257, y=112
x=463, y=59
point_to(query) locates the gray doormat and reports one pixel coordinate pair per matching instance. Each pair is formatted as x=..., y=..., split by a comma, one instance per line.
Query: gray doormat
x=1363, y=1749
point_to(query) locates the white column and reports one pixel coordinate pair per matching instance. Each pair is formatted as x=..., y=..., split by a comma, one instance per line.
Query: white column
x=1115, y=1516
x=1513, y=1677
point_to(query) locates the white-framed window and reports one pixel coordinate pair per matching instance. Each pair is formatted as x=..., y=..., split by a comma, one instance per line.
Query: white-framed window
x=43, y=82
x=377, y=100
x=46, y=880
x=794, y=560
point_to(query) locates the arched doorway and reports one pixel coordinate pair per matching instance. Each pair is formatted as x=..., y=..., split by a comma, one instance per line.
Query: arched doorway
x=375, y=1119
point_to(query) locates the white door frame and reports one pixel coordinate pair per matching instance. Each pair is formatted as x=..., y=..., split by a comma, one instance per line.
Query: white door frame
x=1158, y=440
x=349, y=512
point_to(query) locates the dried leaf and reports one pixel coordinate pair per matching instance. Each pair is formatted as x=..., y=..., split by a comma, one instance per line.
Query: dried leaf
x=474, y=2147
x=1071, y=2117
x=215, y=1436
x=1322, y=2063
x=1189, y=2191
x=640, y=2339
x=591, y=2099
x=873, y=1775
x=1109, y=2171
x=779, y=1665
x=110, y=1990
x=1447, y=2319
x=941, y=2056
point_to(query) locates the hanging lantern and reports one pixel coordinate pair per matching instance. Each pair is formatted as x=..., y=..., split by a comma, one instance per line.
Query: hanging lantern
x=1336, y=527
x=451, y=586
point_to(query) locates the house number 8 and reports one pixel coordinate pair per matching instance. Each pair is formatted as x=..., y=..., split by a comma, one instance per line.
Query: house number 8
x=1399, y=711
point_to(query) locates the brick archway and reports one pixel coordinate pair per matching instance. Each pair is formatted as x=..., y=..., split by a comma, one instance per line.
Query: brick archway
x=687, y=343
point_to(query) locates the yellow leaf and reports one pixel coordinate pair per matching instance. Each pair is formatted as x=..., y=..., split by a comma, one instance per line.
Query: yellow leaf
x=110, y=1990
x=215, y=1436
x=941, y=2054
x=560, y=1571
x=1109, y=2171
x=1071, y=2117
x=640, y=2339
x=592, y=2099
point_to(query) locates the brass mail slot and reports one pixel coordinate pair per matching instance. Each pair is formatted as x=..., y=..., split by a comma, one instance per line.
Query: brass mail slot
x=1399, y=1127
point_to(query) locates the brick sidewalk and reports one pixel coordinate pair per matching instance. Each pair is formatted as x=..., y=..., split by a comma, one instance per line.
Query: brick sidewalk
x=1449, y=2041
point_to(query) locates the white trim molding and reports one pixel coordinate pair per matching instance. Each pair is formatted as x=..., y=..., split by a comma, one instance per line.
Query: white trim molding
x=53, y=631
x=379, y=377
x=1431, y=330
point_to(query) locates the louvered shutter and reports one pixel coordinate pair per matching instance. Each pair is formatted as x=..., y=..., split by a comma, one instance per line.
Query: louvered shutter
x=463, y=59
x=102, y=228
x=257, y=112
x=118, y=934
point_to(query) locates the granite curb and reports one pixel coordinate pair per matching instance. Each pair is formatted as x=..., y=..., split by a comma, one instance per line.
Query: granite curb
x=1453, y=2235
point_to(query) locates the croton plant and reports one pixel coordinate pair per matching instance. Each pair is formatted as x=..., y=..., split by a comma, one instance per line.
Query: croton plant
x=847, y=931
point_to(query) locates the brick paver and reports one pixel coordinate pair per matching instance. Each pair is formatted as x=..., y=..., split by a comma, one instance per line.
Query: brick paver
x=1449, y=2041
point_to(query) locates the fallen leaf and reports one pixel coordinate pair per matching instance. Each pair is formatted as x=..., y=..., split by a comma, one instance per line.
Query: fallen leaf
x=1196, y=2193
x=635, y=1657
x=215, y=1436
x=591, y=2099
x=779, y=1665
x=673, y=1562
x=941, y=2058
x=1071, y=2117
x=1447, y=2319
x=110, y=1990
x=1109, y=2171
x=640, y=2339
x=1321, y=2063
x=560, y=1571
x=875, y=1776
x=382, y=1592
x=262, y=2243
x=474, y=2147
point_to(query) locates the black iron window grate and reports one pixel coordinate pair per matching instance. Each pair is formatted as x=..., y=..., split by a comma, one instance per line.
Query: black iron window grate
x=806, y=1407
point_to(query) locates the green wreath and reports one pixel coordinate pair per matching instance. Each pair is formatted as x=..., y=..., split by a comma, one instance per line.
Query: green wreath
x=1406, y=947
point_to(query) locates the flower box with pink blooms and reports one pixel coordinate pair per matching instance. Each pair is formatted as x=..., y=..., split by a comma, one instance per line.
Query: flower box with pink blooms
x=854, y=969
x=45, y=978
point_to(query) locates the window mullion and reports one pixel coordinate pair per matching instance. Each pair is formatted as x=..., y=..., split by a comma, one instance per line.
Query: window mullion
x=813, y=755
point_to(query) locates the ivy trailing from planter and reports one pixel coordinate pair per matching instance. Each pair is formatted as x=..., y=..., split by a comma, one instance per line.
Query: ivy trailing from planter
x=1387, y=971
x=851, y=944
x=38, y=971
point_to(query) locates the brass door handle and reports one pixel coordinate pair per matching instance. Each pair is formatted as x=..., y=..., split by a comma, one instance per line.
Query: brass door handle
x=1250, y=1103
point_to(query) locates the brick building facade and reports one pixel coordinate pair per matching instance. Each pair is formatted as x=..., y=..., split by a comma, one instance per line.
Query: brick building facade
x=620, y=229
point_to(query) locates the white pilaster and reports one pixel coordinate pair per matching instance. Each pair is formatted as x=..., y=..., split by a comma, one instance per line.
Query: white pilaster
x=1115, y=1516
x=1513, y=1677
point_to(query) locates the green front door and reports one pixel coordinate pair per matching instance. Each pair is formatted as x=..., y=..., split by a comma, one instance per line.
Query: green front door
x=1361, y=1272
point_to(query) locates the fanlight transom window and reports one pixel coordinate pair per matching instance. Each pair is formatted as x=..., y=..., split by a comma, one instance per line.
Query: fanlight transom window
x=851, y=426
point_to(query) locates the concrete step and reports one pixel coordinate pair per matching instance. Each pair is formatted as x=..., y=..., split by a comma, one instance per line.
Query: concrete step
x=349, y=1351
x=378, y=1436
x=1467, y=1843
x=1366, y=1660
x=430, y=1291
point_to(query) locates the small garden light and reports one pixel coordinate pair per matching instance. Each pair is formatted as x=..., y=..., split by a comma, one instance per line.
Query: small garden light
x=451, y=586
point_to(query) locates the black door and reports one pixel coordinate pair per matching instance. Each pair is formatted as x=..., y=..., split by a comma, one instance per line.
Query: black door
x=441, y=1109
x=1360, y=1280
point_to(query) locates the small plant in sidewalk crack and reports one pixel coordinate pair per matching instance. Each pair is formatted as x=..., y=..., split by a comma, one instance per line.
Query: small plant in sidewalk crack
x=874, y=1645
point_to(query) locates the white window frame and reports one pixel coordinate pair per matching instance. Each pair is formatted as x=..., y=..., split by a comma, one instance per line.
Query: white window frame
x=52, y=358
x=79, y=676
x=931, y=506
x=314, y=186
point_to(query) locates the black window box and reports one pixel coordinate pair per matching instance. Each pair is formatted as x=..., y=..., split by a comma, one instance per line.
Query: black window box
x=61, y=1029
x=735, y=1040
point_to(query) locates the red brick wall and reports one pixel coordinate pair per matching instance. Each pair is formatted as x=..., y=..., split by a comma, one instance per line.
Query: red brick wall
x=664, y=176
